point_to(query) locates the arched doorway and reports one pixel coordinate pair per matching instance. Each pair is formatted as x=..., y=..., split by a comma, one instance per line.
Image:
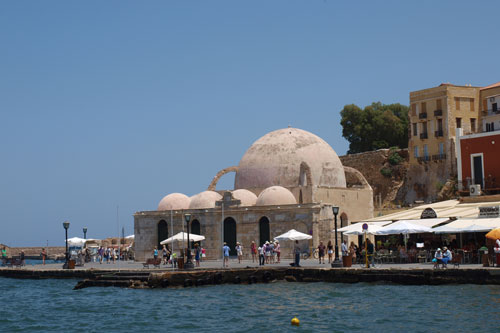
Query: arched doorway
x=230, y=234
x=264, y=232
x=195, y=229
x=162, y=232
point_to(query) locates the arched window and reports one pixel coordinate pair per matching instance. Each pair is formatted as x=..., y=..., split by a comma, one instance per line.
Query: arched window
x=162, y=232
x=195, y=227
x=264, y=231
x=230, y=234
x=343, y=220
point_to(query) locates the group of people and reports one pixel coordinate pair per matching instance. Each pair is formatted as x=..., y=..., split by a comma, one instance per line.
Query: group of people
x=169, y=257
x=442, y=257
x=107, y=254
x=269, y=253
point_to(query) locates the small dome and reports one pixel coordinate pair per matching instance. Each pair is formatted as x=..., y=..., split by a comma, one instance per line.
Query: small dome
x=174, y=201
x=246, y=197
x=276, y=195
x=204, y=199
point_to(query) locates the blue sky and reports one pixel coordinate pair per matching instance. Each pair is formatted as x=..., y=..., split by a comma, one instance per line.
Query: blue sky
x=118, y=103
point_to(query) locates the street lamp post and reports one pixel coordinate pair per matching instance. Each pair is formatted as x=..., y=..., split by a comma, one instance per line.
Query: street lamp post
x=66, y=227
x=189, y=263
x=84, y=232
x=336, y=262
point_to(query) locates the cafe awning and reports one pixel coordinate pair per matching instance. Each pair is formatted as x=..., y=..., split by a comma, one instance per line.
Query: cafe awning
x=469, y=225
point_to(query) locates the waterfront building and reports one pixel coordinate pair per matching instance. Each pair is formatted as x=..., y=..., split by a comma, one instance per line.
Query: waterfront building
x=435, y=115
x=288, y=179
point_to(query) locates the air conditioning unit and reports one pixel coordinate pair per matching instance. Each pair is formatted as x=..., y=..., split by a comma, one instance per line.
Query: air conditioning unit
x=475, y=190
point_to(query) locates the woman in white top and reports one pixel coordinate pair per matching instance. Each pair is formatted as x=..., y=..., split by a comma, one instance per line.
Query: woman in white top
x=239, y=251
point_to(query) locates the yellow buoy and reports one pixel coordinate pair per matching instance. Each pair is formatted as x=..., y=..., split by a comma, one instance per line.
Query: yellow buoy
x=295, y=321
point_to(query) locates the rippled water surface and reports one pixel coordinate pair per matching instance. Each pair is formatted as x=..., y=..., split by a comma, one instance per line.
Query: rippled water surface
x=52, y=305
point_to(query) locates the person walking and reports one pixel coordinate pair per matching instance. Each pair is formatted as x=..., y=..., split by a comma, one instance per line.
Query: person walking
x=239, y=252
x=155, y=253
x=44, y=256
x=352, y=251
x=370, y=249
x=321, y=252
x=268, y=252
x=4, y=256
x=197, y=254
x=253, y=249
x=277, y=249
x=344, y=248
x=262, y=252
x=296, y=250
x=165, y=254
x=329, y=249
x=100, y=254
x=226, y=249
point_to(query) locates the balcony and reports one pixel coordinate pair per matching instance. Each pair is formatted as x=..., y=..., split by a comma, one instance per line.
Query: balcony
x=438, y=133
x=423, y=159
x=438, y=157
x=422, y=115
x=438, y=113
x=491, y=112
x=423, y=135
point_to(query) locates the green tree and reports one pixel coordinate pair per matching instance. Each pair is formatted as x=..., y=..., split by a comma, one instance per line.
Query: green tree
x=374, y=127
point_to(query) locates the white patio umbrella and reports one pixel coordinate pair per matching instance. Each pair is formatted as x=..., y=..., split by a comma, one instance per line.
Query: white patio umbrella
x=183, y=236
x=76, y=241
x=130, y=237
x=403, y=227
x=292, y=235
x=359, y=229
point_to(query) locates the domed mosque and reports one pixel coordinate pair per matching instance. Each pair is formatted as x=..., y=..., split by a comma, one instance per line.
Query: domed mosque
x=287, y=179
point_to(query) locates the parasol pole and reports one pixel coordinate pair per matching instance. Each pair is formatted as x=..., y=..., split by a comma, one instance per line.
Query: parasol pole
x=172, y=233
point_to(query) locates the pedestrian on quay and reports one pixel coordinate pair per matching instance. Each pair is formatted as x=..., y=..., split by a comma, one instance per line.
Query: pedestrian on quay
x=370, y=249
x=21, y=255
x=107, y=255
x=197, y=254
x=268, y=252
x=353, y=249
x=4, y=256
x=447, y=256
x=203, y=253
x=277, y=250
x=239, y=252
x=100, y=254
x=329, y=249
x=44, y=256
x=155, y=253
x=262, y=252
x=164, y=253
x=344, y=248
x=296, y=250
x=271, y=258
x=253, y=249
x=225, y=249
x=321, y=252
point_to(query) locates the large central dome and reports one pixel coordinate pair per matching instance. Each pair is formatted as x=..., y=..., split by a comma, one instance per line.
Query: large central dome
x=276, y=158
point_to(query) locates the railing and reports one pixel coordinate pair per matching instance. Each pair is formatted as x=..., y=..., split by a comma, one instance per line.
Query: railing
x=438, y=113
x=490, y=183
x=423, y=159
x=423, y=136
x=438, y=157
x=491, y=111
x=422, y=115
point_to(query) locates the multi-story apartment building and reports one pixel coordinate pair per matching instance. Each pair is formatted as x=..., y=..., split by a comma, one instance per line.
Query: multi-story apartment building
x=490, y=111
x=435, y=114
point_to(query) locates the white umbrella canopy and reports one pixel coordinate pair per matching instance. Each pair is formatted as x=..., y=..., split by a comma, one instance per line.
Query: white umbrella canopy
x=183, y=236
x=130, y=237
x=76, y=241
x=403, y=227
x=476, y=228
x=372, y=229
x=292, y=235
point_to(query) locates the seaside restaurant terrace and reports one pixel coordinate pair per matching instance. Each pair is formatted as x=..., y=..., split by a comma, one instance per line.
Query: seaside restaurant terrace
x=461, y=227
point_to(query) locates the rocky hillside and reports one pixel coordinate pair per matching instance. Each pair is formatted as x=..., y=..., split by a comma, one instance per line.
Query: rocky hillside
x=384, y=169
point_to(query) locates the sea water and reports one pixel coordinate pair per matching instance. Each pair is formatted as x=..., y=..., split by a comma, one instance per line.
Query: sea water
x=52, y=306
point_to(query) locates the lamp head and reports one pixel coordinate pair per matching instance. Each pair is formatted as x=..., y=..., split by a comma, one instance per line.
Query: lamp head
x=85, y=229
x=187, y=217
x=335, y=210
x=66, y=225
